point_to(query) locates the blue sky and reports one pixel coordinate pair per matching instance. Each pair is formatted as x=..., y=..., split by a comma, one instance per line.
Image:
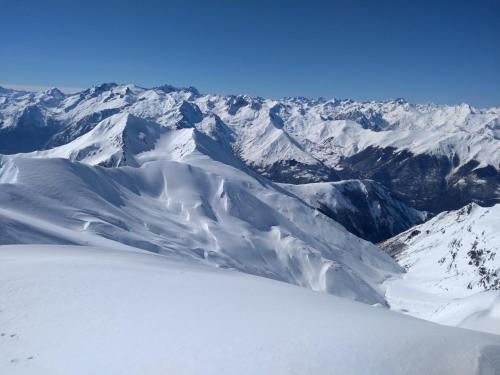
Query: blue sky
x=424, y=51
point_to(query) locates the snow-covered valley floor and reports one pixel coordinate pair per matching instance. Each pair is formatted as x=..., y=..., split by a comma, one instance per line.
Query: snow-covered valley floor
x=85, y=310
x=479, y=311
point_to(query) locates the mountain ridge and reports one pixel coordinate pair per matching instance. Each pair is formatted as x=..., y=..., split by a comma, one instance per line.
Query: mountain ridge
x=441, y=150
x=292, y=141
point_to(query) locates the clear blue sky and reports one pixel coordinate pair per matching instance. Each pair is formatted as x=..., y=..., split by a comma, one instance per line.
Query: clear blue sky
x=439, y=51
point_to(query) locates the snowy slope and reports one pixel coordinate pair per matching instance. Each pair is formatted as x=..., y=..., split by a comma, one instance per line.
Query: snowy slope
x=84, y=310
x=452, y=268
x=364, y=207
x=114, y=142
x=461, y=244
x=186, y=198
x=419, y=152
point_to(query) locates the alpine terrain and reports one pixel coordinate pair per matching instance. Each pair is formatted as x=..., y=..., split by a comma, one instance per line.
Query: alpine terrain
x=161, y=230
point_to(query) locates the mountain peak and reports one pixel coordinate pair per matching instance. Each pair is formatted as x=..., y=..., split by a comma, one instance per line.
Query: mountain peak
x=100, y=88
x=105, y=86
x=167, y=88
x=54, y=92
x=400, y=101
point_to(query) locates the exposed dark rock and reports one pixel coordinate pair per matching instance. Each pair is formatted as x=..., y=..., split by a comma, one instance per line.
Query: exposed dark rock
x=423, y=181
x=191, y=115
x=376, y=215
x=234, y=103
x=294, y=172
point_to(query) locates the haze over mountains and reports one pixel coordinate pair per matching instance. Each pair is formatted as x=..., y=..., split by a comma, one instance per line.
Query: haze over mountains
x=294, y=190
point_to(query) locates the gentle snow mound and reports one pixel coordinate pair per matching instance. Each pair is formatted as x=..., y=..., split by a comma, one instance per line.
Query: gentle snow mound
x=80, y=310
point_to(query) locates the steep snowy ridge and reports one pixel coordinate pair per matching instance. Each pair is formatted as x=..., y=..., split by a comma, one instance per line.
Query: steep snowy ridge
x=452, y=269
x=114, y=142
x=463, y=244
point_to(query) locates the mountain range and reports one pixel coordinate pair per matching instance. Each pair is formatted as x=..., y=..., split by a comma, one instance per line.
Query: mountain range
x=430, y=157
x=389, y=204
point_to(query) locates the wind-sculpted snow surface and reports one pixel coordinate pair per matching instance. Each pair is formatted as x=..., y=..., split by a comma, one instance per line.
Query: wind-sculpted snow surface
x=452, y=267
x=432, y=157
x=365, y=208
x=181, y=202
x=83, y=310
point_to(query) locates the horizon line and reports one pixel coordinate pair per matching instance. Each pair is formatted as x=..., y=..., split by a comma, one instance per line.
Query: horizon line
x=73, y=90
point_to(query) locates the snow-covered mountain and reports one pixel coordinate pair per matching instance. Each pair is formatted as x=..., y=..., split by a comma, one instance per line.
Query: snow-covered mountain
x=463, y=244
x=365, y=207
x=452, y=265
x=432, y=157
x=114, y=142
x=182, y=195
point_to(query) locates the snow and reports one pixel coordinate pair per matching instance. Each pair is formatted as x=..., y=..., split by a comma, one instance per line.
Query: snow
x=113, y=142
x=87, y=310
x=266, y=131
x=365, y=207
x=452, y=269
x=479, y=311
x=180, y=200
x=142, y=229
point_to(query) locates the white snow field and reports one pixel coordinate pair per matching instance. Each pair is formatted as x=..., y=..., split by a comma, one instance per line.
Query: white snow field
x=86, y=310
x=452, y=267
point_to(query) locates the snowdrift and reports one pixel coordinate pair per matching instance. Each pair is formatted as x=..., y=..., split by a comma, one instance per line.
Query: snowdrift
x=84, y=310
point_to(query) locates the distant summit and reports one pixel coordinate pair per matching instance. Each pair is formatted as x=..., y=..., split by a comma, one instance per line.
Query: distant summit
x=431, y=157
